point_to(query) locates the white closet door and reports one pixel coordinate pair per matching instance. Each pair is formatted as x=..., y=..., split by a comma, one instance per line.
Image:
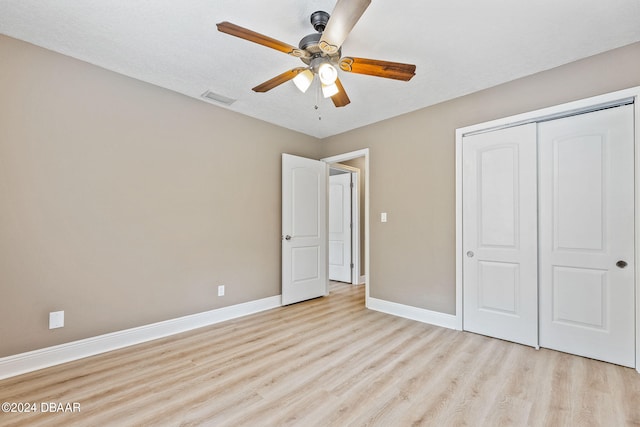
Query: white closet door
x=500, y=296
x=586, y=228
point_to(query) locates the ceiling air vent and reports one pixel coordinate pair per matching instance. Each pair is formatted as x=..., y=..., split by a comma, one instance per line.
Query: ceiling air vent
x=212, y=96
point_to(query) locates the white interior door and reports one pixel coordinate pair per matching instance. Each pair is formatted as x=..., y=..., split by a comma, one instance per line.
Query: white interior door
x=340, y=263
x=586, y=230
x=500, y=296
x=304, y=229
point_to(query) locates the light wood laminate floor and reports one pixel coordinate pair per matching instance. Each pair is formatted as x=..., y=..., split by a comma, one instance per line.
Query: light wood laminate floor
x=330, y=362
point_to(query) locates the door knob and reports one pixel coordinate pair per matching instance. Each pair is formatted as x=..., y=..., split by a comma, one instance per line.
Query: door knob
x=470, y=254
x=287, y=237
x=621, y=264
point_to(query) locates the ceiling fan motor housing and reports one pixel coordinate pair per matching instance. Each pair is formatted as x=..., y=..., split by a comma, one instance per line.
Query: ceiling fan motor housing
x=310, y=43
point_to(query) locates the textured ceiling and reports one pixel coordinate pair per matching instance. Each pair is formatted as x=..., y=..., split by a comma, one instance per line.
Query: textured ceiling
x=459, y=47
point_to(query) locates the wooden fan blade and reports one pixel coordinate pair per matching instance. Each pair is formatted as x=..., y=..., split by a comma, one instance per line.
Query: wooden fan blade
x=374, y=67
x=342, y=20
x=252, y=36
x=340, y=99
x=278, y=80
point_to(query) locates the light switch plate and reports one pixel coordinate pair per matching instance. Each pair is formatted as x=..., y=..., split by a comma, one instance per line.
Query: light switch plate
x=56, y=319
x=383, y=217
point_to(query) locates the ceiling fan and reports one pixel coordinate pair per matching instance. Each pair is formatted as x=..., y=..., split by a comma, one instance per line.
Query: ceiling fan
x=321, y=52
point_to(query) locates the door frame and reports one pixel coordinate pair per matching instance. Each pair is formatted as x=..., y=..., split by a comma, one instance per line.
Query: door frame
x=621, y=97
x=355, y=217
x=343, y=158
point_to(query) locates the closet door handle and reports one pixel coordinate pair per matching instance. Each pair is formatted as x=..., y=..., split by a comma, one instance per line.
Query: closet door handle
x=621, y=264
x=470, y=254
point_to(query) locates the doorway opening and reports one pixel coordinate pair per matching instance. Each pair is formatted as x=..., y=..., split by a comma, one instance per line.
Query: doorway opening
x=344, y=224
x=359, y=160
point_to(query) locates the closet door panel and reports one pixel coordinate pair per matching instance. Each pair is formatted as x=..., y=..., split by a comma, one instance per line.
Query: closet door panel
x=586, y=228
x=500, y=234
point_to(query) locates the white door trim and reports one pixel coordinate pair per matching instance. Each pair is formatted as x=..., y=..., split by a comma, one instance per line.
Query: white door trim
x=567, y=109
x=637, y=221
x=343, y=158
x=355, y=227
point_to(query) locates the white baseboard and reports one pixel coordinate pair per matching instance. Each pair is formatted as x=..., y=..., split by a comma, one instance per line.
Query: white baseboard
x=414, y=313
x=363, y=280
x=11, y=366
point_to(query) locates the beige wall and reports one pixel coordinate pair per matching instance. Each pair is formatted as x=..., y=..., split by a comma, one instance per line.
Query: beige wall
x=125, y=204
x=412, y=172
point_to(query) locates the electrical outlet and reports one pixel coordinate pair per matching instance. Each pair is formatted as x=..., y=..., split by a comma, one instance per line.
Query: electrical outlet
x=221, y=290
x=56, y=319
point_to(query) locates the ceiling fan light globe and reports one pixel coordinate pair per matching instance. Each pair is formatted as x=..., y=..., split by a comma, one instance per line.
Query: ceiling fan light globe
x=329, y=90
x=303, y=80
x=327, y=73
